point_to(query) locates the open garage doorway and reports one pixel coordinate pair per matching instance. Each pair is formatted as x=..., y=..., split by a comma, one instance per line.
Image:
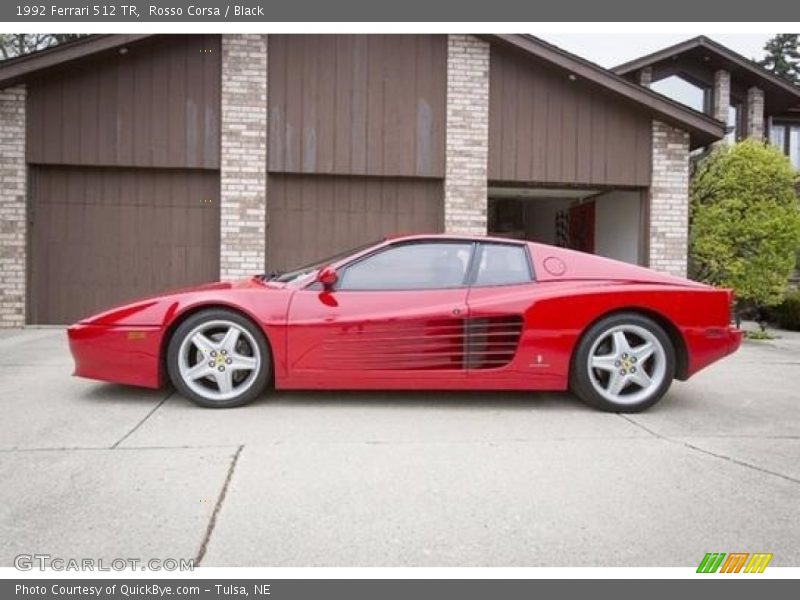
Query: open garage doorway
x=606, y=222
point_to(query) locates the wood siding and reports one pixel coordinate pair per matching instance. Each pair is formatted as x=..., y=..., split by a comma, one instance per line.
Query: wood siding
x=157, y=105
x=101, y=236
x=310, y=217
x=357, y=104
x=546, y=128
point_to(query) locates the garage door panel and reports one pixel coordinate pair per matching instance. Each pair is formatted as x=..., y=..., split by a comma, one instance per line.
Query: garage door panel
x=102, y=236
x=313, y=216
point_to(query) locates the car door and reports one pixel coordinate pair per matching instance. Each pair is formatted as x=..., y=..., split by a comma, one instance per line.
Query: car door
x=394, y=319
x=501, y=291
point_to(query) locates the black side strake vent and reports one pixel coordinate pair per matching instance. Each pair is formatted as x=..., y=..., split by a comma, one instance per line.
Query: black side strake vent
x=491, y=342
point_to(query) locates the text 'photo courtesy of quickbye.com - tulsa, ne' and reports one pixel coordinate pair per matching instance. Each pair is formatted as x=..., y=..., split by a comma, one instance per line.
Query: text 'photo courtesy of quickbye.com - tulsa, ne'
x=356, y=299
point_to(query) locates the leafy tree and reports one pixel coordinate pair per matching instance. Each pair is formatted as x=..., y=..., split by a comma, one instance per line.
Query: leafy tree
x=783, y=56
x=17, y=44
x=744, y=223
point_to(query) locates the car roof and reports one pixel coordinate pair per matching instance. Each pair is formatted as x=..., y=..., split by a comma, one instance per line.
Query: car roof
x=453, y=237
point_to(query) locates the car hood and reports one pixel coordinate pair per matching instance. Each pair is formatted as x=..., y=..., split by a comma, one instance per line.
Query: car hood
x=153, y=309
x=248, y=282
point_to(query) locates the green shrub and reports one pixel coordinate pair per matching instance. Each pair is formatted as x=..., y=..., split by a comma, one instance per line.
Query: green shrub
x=787, y=313
x=744, y=222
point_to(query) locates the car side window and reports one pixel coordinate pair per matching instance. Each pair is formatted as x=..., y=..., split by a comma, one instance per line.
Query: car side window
x=410, y=267
x=502, y=264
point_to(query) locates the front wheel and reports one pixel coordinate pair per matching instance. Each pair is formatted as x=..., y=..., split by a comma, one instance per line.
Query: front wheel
x=623, y=363
x=218, y=359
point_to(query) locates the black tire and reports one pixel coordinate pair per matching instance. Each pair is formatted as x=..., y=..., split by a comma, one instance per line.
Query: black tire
x=581, y=379
x=262, y=375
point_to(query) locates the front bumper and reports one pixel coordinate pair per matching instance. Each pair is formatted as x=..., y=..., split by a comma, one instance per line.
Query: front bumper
x=120, y=354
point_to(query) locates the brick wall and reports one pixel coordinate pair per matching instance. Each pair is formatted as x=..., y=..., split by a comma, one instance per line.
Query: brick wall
x=669, y=200
x=467, y=138
x=243, y=176
x=13, y=220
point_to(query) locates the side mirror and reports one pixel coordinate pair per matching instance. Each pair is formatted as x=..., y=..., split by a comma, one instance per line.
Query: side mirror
x=327, y=277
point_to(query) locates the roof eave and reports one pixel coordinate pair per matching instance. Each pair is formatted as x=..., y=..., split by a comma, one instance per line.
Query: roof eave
x=723, y=52
x=16, y=70
x=649, y=59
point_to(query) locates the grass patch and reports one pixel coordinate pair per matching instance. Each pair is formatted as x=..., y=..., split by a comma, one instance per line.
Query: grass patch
x=759, y=334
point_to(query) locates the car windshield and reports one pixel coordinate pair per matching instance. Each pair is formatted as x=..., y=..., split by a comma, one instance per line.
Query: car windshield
x=286, y=277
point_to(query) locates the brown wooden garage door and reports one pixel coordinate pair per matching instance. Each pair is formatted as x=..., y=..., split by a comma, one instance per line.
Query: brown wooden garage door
x=101, y=236
x=310, y=217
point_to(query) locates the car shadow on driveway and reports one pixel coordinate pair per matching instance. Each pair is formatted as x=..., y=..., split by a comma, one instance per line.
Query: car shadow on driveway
x=113, y=392
x=478, y=400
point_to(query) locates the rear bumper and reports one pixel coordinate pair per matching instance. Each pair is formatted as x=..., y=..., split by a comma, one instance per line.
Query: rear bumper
x=707, y=345
x=119, y=354
x=735, y=337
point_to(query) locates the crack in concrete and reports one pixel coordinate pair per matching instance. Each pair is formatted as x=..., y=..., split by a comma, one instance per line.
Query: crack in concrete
x=565, y=438
x=690, y=446
x=106, y=448
x=141, y=422
x=791, y=363
x=212, y=522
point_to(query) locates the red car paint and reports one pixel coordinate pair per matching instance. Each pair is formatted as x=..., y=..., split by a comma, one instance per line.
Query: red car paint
x=420, y=339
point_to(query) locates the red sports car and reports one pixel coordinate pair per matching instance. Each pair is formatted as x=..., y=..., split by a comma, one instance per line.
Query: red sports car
x=421, y=312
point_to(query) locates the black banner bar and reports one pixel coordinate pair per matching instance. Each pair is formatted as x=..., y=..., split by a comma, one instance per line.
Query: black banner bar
x=386, y=589
x=408, y=10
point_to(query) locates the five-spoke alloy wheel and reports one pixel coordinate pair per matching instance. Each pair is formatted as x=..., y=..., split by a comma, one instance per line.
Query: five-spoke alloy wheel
x=218, y=358
x=624, y=363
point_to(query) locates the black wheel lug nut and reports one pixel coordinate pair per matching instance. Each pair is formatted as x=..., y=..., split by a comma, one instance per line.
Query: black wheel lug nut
x=213, y=353
x=224, y=352
x=211, y=364
x=221, y=368
x=633, y=369
x=228, y=361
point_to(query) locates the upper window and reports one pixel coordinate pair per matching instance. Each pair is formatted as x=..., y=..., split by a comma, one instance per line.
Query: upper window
x=786, y=137
x=794, y=145
x=732, y=124
x=410, y=267
x=777, y=136
x=503, y=264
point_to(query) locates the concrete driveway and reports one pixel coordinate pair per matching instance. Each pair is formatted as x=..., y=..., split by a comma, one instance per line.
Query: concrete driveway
x=398, y=479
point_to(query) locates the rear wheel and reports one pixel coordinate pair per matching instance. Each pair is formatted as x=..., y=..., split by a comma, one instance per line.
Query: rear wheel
x=623, y=363
x=217, y=358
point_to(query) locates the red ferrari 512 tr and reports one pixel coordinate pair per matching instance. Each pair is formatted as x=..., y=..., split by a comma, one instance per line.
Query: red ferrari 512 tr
x=421, y=312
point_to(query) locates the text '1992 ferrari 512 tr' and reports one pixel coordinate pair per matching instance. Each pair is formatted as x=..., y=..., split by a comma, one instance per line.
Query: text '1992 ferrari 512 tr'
x=421, y=312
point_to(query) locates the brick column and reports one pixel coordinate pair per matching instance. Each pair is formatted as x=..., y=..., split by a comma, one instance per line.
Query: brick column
x=467, y=138
x=669, y=200
x=721, y=95
x=243, y=156
x=13, y=218
x=755, y=113
x=646, y=76
x=721, y=98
